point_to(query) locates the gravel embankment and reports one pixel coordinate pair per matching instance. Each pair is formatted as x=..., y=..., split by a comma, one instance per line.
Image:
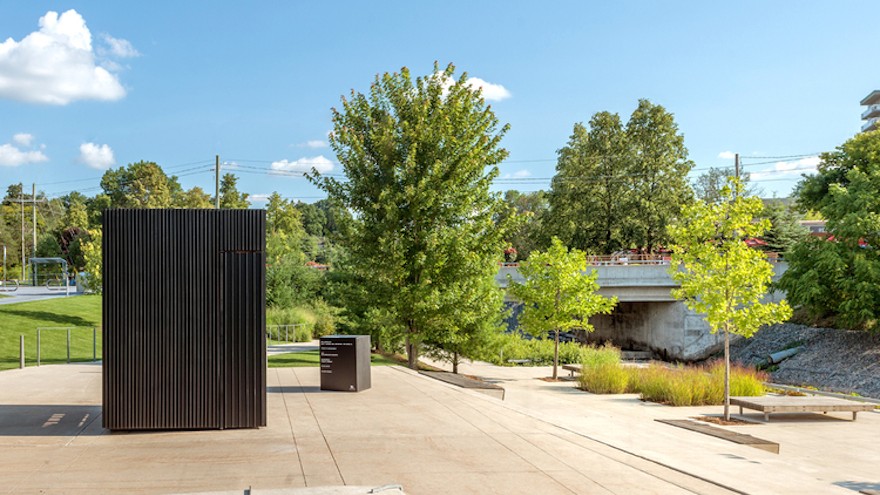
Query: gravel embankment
x=834, y=360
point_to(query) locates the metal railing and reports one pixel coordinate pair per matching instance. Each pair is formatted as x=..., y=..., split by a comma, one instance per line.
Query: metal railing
x=871, y=109
x=286, y=333
x=638, y=259
x=67, y=330
x=8, y=285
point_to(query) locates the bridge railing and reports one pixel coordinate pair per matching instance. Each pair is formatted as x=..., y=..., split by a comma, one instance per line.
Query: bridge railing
x=638, y=259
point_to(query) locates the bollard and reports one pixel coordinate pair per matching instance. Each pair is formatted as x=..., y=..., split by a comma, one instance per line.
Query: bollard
x=94, y=344
x=68, y=346
x=21, y=352
x=38, y=347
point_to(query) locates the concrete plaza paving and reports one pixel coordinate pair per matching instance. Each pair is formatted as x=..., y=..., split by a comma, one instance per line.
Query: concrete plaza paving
x=425, y=435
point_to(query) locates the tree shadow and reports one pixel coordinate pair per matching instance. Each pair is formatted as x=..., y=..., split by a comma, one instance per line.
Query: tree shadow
x=859, y=486
x=39, y=420
x=293, y=389
x=60, y=319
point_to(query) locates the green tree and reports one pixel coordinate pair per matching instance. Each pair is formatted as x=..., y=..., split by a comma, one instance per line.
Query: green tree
x=472, y=325
x=785, y=230
x=193, y=198
x=558, y=294
x=658, y=171
x=841, y=277
x=419, y=156
x=91, y=250
x=617, y=187
x=588, y=194
x=288, y=280
x=139, y=185
x=719, y=275
x=709, y=184
x=230, y=197
x=530, y=234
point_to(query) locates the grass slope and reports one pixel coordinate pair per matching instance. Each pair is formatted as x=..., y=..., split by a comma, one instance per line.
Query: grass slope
x=80, y=312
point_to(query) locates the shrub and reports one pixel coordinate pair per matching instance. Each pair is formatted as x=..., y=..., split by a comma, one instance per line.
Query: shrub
x=303, y=318
x=743, y=381
x=325, y=318
x=593, y=356
x=604, y=378
x=694, y=385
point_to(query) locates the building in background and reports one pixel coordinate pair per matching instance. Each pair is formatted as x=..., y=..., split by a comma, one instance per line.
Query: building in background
x=871, y=115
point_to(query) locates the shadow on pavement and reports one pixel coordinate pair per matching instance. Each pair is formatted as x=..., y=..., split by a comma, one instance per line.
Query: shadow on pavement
x=293, y=390
x=858, y=486
x=47, y=420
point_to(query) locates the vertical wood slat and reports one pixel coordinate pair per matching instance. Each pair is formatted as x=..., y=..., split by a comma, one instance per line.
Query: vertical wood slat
x=184, y=319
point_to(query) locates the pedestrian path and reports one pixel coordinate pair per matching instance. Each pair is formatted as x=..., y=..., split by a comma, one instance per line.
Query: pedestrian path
x=425, y=435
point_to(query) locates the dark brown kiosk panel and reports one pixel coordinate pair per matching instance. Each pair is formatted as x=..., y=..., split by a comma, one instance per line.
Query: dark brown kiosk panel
x=184, y=341
x=345, y=362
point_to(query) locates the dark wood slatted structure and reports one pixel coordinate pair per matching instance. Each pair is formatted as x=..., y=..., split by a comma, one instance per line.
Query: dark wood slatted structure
x=184, y=319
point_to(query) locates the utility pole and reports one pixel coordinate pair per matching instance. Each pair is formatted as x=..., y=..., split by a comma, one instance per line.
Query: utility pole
x=217, y=181
x=34, y=208
x=21, y=202
x=736, y=165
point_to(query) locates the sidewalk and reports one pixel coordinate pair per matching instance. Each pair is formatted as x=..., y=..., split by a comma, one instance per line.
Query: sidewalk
x=430, y=437
x=818, y=453
x=27, y=293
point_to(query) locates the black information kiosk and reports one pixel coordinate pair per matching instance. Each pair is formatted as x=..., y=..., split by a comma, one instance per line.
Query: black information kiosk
x=345, y=363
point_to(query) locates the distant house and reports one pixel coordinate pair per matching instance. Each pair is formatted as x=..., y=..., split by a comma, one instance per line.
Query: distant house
x=817, y=227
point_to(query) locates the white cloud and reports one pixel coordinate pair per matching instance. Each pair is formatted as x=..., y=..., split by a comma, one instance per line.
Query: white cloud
x=781, y=169
x=314, y=143
x=98, y=156
x=319, y=163
x=259, y=198
x=119, y=47
x=491, y=91
x=727, y=155
x=13, y=155
x=23, y=139
x=519, y=174
x=56, y=65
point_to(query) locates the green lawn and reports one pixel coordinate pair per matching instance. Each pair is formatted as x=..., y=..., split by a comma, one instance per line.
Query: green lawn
x=81, y=313
x=313, y=358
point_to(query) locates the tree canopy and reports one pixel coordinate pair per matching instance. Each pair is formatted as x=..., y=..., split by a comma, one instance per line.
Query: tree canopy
x=617, y=187
x=840, y=277
x=419, y=155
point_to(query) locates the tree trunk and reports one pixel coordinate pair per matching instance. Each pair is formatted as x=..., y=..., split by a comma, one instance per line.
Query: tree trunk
x=726, y=372
x=455, y=363
x=555, y=353
x=412, y=351
x=556, y=338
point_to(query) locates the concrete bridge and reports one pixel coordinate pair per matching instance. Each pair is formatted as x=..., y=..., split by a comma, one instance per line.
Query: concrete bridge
x=647, y=317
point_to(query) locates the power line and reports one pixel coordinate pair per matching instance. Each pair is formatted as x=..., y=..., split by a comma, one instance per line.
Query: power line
x=172, y=167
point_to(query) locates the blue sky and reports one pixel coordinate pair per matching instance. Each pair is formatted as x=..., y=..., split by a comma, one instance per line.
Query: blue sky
x=180, y=82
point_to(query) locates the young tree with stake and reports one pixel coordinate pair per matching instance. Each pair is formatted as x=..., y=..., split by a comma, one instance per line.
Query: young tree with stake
x=558, y=294
x=720, y=275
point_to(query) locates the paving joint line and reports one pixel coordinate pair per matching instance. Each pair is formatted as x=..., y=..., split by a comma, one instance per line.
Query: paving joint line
x=326, y=442
x=292, y=433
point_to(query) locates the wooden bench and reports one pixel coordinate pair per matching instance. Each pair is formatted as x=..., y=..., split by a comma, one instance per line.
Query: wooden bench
x=466, y=382
x=572, y=368
x=787, y=404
